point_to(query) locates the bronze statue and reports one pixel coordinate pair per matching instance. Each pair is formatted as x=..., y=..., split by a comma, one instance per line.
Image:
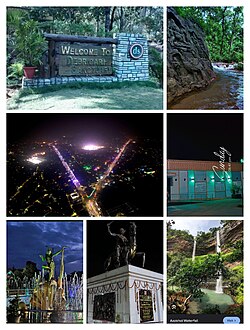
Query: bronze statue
x=125, y=248
x=121, y=247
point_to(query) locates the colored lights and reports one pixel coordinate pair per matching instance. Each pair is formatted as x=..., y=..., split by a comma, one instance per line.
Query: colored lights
x=87, y=167
x=192, y=179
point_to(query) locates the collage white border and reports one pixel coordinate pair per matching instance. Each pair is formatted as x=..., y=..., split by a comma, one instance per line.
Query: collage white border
x=164, y=4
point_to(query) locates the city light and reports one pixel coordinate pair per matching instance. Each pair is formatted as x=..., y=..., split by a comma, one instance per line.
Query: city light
x=92, y=147
x=35, y=160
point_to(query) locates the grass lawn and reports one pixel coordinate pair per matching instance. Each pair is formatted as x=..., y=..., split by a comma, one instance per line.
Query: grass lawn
x=91, y=96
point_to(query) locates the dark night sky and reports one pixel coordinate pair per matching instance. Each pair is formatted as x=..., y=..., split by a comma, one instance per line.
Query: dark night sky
x=100, y=243
x=26, y=240
x=30, y=126
x=197, y=136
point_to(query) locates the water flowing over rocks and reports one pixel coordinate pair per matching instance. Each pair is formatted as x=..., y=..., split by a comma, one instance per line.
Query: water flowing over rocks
x=188, y=63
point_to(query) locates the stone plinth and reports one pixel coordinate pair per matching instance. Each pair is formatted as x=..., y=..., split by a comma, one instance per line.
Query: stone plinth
x=127, y=294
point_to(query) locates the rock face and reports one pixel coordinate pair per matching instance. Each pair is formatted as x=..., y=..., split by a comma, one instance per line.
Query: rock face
x=230, y=233
x=188, y=63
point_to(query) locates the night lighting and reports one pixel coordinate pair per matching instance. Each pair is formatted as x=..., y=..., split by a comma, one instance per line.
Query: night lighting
x=92, y=147
x=35, y=160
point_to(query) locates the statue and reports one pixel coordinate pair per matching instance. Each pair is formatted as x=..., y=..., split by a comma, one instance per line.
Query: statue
x=49, y=294
x=125, y=248
x=50, y=261
x=121, y=247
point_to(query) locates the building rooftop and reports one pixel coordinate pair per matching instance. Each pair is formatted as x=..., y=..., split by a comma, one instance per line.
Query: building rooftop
x=200, y=165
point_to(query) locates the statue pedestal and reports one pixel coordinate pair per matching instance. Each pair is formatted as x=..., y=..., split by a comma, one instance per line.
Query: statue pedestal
x=127, y=294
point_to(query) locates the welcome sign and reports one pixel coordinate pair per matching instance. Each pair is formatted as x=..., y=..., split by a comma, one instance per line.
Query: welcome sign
x=84, y=59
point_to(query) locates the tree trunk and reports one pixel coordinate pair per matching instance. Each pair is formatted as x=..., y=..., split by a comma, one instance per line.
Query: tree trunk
x=112, y=19
x=107, y=19
x=223, y=30
x=121, y=20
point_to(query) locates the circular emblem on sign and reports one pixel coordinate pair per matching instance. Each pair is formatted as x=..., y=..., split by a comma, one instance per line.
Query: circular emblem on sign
x=136, y=51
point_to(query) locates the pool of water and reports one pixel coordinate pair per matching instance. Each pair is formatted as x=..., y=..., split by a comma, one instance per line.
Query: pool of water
x=210, y=299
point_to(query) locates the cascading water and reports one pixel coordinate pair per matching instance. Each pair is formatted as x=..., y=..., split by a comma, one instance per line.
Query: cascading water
x=194, y=249
x=219, y=280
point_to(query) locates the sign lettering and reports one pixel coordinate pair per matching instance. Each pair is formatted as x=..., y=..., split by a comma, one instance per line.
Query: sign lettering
x=79, y=59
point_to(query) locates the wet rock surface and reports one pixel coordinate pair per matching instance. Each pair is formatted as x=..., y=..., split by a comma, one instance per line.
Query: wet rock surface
x=188, y=63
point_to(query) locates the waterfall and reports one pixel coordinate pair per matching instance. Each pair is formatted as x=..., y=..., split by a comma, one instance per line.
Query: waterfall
x=219, y=280
x=194, y=249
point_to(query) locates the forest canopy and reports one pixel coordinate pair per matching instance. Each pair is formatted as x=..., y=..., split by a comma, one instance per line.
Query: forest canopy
x=223, y=28
x=93, y=21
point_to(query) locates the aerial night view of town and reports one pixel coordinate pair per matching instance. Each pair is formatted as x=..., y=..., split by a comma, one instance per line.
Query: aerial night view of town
x=84, y=165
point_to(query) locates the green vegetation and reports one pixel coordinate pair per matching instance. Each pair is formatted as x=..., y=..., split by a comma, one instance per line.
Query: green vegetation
x=223, y=28
x=180, y=233
x=191, y=283
x=26, y=25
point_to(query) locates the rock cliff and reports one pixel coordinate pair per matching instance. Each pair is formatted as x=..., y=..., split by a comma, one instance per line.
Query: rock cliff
x=188, y=64
x=230, y=233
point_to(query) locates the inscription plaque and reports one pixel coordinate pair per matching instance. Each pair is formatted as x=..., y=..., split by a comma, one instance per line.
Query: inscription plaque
x=80, y=59
x=146, y=306
x=104, y=307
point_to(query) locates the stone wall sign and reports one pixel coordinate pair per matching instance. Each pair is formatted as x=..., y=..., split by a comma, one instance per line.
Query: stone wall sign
x=136, y=51
x=84, y=59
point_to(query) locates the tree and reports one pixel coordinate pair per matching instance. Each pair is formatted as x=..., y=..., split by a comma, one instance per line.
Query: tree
x=192, y=274
x=223, y=27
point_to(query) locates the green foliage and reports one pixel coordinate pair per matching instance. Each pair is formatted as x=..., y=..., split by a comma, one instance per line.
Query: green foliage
x=174, y=263
x=156, y=65
x=235, y=284
x=184, y=234
x=191, y=275
x=223, y=28
x=29, y=43
x=237, y=252
x=15, y=72
x=211, y=310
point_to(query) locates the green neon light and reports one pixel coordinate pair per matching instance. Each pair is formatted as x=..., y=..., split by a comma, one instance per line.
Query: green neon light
x=87, y=167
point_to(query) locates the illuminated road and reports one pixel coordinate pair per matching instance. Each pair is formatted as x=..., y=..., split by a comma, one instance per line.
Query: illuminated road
x=90, y=202
x=111, y=166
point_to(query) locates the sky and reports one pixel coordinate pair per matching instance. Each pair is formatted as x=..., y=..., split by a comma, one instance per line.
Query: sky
x=26, y=240
x=97, y=127
x=197, y=136
x=193, y=226
x=100, y=243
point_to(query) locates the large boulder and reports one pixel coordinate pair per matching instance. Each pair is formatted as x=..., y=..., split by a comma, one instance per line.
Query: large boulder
x=188, y=63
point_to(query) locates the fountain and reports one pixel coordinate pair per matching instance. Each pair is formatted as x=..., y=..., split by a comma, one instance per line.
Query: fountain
x=194, y=249
x=218, y=288
x=46, y=299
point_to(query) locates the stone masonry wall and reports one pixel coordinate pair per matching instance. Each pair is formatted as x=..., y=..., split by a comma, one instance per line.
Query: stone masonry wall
x=127, y=68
